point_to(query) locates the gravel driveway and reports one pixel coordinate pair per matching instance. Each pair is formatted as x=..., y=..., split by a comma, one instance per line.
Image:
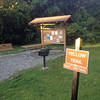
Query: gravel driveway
x=10, y=64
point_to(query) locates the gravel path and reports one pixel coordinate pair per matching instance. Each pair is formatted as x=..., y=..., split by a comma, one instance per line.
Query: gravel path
x=10, y=64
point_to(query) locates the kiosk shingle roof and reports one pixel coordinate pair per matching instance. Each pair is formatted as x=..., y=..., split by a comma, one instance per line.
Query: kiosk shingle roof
x=54, y=19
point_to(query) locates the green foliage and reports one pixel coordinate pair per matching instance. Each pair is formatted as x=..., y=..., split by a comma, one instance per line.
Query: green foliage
x=1, y=28
x=74, y=31
x=14, y=26
x=16, y=14
x=85, y=27
x=53, y=10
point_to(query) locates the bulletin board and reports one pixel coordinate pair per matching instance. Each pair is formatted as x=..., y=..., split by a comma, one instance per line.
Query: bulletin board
x=53, y=36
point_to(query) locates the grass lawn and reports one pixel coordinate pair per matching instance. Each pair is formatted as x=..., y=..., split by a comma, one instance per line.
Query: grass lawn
x=18, y=49
x=54, y=84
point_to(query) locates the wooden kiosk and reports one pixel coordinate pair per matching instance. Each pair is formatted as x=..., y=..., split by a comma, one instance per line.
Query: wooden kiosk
x=53, y=29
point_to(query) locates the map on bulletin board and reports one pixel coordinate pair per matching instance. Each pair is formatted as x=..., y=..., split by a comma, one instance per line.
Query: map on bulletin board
x=55, y=36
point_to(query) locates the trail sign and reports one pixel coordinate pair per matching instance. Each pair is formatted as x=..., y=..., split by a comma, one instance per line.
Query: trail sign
x=77, y=60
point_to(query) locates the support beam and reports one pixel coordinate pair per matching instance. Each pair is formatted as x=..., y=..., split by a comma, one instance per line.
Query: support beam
x=46, y=24
x=42, y=37
x=64, y=30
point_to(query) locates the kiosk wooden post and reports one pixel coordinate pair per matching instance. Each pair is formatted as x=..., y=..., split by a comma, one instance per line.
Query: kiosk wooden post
x=64, y=30
x=41, y=28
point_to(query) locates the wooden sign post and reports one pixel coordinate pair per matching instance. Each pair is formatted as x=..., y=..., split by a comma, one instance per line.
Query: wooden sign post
x=76, y=60
x=76, y=75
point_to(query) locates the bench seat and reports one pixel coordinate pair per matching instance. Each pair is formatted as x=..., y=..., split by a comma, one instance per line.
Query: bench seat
x=6, y=47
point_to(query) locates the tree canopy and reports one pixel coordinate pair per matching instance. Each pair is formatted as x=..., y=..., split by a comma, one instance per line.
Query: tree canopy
x=16, y=14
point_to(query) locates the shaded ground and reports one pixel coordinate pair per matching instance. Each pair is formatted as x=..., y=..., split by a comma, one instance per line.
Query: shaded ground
x=9, y=64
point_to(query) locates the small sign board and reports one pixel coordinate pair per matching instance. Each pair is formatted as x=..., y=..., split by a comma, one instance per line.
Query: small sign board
x=77, y=60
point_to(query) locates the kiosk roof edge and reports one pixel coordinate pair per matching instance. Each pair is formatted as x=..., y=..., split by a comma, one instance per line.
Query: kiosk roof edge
x=54, y=19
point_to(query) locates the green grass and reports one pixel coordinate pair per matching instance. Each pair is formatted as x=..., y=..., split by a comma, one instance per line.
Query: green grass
x=16, y=49
x=92, y=45
x=54, y=84
x=61, y=46
x=58, y=46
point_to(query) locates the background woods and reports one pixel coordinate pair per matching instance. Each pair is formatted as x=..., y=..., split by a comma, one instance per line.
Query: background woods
x=16, y=14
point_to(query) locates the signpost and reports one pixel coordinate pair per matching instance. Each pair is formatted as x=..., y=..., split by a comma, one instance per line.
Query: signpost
x=76, y=60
